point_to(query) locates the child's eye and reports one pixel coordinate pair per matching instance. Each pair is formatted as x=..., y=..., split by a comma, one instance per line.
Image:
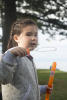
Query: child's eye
x=29, y=34
x=36, y=35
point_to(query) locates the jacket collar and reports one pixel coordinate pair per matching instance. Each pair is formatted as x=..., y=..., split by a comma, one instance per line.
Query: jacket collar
x=29, y=57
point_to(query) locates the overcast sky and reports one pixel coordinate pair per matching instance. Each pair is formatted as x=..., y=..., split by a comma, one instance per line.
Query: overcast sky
x=0, y=31
x=50, y=51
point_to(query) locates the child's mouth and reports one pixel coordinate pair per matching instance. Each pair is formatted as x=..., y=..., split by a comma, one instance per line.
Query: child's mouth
x=33, y=44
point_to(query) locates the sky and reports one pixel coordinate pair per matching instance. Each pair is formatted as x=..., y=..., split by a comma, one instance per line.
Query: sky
x=50, y=51
x=0, y=31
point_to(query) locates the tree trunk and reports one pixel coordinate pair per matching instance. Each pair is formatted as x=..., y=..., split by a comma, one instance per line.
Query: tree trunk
x=9, y=18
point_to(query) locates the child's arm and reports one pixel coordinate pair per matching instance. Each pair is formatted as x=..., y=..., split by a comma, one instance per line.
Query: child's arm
x=43, y=89
x=8, y=65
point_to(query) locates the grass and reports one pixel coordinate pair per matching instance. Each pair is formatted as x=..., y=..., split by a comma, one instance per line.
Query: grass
x=59, y=85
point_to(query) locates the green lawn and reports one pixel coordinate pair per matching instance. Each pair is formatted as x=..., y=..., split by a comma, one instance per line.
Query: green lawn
x=59, y=86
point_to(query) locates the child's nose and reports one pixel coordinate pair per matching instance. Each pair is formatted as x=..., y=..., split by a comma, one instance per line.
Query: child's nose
x=34, y=38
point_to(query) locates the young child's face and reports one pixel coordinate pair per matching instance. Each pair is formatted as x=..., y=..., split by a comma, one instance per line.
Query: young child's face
x=28, y=38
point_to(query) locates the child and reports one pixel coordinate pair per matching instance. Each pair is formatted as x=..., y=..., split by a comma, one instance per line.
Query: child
x=17, y=70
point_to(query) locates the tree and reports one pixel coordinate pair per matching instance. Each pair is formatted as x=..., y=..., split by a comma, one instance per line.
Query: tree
x=9, y=18
x=49, y=14
x=0, y=11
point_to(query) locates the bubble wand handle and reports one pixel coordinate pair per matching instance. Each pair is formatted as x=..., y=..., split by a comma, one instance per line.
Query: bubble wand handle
x=28, y=51
x=51, y=79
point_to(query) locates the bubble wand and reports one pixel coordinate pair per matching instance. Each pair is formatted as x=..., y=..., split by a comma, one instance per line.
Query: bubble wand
x=28, y=51
x=51, y=78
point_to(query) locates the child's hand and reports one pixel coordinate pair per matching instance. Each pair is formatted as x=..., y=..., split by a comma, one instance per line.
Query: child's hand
x=49, y=90
x=18, y=51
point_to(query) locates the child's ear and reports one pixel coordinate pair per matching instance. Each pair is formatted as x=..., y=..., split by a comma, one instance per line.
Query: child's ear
x=15, y=37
